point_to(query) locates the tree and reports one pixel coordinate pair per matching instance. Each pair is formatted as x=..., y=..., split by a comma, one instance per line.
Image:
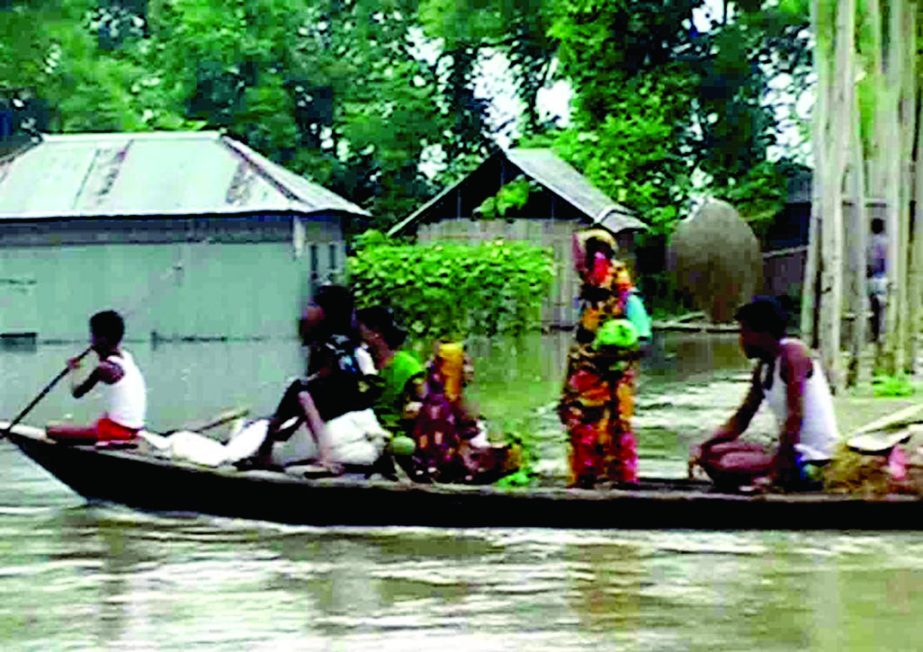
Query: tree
x=880, y=109
x=330, y=89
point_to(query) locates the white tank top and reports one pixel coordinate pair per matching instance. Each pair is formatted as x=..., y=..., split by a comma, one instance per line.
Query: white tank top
x=819, y=432
x=126, y=400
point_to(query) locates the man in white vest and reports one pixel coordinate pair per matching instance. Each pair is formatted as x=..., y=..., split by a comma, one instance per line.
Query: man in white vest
x=796, y=391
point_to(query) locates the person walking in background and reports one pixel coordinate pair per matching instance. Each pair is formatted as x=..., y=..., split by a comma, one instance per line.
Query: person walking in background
x=876, y=273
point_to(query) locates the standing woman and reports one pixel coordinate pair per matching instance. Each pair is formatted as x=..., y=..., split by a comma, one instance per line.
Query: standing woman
x=597, y=401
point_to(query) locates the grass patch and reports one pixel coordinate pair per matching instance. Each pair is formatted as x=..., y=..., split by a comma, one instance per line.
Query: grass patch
x=892, y=386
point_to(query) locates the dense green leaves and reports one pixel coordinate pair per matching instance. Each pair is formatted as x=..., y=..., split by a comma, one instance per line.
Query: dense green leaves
x=454, y=291
x=659, y=102
x=511, y=197
x=328, y=88
x=358, y=94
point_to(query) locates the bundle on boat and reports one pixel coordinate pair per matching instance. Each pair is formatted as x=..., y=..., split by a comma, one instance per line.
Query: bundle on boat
x=877, y=465
x=358, y=443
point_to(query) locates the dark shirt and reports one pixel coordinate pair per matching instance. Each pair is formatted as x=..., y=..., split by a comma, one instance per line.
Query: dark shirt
x=878, y=255
x=335, y=381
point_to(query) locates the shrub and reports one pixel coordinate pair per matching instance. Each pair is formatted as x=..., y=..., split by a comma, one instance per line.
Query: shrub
x=451, y=291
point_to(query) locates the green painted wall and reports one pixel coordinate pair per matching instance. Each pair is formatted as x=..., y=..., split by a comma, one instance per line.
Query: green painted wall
x=234, y=290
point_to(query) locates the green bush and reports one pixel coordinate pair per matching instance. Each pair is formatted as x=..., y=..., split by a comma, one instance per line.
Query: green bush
x=452, y=291
x=892, y=386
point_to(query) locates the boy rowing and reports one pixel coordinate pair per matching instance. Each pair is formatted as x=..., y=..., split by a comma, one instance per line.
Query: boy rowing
x=123, y=387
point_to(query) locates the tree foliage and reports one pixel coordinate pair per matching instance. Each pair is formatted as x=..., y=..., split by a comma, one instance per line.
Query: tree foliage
x=328, y=88
x=358, y=94
x=658, y=102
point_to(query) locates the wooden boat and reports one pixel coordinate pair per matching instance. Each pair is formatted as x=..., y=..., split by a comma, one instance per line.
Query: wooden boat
x=145, y=482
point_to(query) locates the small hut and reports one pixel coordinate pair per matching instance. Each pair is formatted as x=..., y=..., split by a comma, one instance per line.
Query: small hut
x=528, y=195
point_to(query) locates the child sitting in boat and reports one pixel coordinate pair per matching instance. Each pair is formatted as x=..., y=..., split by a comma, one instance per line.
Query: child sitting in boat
x=123, y=387
x=796, y=391
x=402, y=377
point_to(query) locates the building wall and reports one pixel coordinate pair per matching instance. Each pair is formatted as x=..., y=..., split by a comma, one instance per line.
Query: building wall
x=192, y=278
x=560, y=309
x=784, y=266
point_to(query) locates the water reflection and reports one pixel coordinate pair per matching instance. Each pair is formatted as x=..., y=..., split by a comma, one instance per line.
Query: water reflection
x=93, y=577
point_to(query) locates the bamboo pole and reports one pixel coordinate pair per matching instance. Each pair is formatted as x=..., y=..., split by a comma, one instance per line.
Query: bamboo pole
x=876, y=157
x=896, y=245
x=809, y=298
x=877, y=154
x=916, y=172
x=832, y=194
x=908, y=114
x=859, y=227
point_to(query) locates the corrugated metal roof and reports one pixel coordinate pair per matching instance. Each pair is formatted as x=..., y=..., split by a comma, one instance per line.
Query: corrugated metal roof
x=546, y=168
x=147, y=174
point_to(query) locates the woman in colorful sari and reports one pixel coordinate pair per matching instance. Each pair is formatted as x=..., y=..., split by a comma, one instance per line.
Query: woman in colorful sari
x=417, y=401
x=597, y=401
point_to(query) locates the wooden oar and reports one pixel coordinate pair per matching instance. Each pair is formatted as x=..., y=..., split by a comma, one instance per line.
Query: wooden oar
x=41, y=395
x=218, y=420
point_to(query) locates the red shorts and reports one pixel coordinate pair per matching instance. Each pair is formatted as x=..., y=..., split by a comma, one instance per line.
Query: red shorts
x=109, y=430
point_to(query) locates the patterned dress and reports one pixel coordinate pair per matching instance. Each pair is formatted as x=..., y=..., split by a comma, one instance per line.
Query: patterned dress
x=597, y=401
x=444, y=421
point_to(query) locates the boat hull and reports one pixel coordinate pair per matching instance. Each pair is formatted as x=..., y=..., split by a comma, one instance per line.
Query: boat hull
x=146, y=483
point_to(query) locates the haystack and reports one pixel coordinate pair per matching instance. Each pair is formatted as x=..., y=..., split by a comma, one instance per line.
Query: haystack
x=716, y=259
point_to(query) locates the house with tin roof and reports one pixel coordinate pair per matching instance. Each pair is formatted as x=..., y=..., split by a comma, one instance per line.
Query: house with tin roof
x=194, y=234
x=555, y=201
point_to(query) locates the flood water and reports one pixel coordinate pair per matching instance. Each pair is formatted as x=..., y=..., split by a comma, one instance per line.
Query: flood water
x=74, y=576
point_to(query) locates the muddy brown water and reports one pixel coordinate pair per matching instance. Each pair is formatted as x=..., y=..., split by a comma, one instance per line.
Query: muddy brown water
x=74, y=576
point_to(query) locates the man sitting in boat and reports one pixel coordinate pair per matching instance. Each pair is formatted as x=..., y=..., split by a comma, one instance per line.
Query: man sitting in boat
x=796, y=391
x=123, y=386
x=335, y=385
